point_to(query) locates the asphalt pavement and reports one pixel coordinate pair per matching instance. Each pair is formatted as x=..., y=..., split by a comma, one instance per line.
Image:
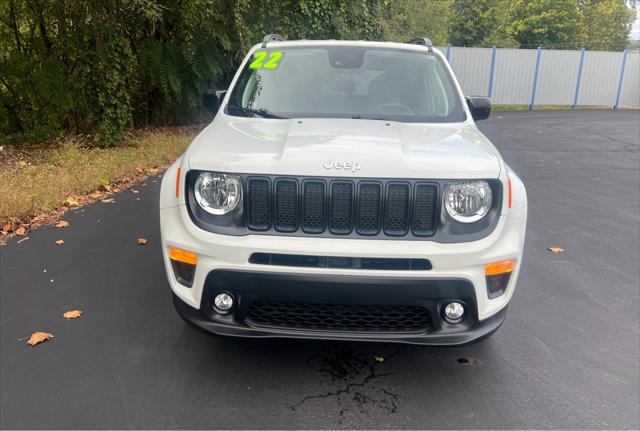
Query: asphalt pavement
x=566, y=357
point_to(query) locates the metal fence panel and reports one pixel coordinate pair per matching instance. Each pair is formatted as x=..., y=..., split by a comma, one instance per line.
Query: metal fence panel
x=472, y=66
x=557, y=77
x=600, y=79
x=513, y=76
x=630, y=94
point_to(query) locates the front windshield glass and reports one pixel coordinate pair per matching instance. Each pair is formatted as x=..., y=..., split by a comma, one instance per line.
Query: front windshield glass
x=346, y=82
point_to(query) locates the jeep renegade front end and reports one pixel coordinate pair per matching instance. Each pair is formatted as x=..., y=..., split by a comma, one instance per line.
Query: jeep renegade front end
x=343, y=191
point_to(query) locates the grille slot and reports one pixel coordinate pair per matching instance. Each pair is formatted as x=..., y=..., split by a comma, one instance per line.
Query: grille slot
x=341, y=212
x=354, y=208
x=314, y=206
x=369, y=205
x=258, y=204
x=424, y=209
x=286, y=206
x=339, y=317
x=396, y=217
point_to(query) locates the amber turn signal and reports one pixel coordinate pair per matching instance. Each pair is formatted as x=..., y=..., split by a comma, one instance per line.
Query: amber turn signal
x=183, y=256
x=502, y=267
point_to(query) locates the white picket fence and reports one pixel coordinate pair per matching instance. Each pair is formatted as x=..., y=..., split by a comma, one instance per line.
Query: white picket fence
x=548, y=77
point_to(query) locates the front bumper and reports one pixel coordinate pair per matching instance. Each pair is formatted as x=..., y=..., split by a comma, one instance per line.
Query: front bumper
x=462, y=263
x=254, y=287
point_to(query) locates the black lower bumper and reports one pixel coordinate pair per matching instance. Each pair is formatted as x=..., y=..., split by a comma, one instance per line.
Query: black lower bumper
x=340, y=295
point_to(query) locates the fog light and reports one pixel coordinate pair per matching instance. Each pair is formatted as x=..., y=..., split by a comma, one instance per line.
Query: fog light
x=453, y=312
x=223, y=302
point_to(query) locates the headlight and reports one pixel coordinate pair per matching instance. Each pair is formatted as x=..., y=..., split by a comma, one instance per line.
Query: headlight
x=217, y=193
x=468, y=201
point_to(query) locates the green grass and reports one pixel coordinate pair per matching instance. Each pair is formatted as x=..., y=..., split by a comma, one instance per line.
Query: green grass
x=49, y=175
x=502, y=108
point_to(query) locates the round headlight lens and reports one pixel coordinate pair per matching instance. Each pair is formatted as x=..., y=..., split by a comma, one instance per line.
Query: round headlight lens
x=218, y=193
x=468, y=201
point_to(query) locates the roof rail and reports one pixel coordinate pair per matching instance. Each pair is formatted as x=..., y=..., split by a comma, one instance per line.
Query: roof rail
x=271, y=38
x=422, y=41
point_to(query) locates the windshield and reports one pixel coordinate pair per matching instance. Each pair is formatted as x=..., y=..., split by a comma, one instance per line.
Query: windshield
x=346, y=82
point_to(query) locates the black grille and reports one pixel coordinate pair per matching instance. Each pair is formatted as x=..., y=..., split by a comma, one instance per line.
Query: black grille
x=314, y=210
x=396, y=217
x=425, y=202
x=342, y=207
x=369, y=205
x=286, y=210
x=258, y=204
x=341, y=217
x=333, y=317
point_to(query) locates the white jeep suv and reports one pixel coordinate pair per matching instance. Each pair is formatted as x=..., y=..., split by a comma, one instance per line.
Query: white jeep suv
x=343, y=191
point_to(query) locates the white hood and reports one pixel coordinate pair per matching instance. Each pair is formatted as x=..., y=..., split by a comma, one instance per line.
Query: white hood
x=304, y=147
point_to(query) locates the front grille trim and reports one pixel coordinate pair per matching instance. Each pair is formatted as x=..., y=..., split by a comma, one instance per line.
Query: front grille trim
x=339, y=213
x=333, y=317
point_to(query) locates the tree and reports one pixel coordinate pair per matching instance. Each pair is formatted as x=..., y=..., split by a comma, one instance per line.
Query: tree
x=472, y=21
x=607, y=24
x=545, y=23
x=407, y=19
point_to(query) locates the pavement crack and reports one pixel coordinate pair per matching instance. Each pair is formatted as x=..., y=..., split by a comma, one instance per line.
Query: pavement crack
x=358, y=374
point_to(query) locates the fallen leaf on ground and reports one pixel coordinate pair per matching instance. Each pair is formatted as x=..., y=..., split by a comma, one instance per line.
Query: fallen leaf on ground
x=6, y=227
x=96, y=195
x=72, y=314
x=107, y=201
x=60, y=242
x=72, y=202
x=62, y=223
x=379, y=358
x=39, y=337
x=135, y=192
x=21, y=231
x=22, y=163
x=142, y=241
x=556, y=249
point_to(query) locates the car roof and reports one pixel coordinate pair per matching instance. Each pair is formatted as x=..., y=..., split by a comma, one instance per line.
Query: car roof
x=332, y=42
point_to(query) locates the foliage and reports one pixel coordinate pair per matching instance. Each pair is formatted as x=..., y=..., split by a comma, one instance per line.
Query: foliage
x=545, y=23
x=407, y=19
x=98, y=67
x=607, y=24
x=479, y=23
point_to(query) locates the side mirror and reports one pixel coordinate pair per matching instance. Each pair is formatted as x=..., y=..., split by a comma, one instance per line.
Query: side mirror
x=213, y=99
x=480, y=107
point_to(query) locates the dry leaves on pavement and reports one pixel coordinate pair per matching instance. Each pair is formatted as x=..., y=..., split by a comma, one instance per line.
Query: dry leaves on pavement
x=62, y=224
x=72, y=201
x=21, y=231
x=72, y=314
x=39, y=337
x=556, y=249
x=108, y=200
x=60, y=242
x=142, y=241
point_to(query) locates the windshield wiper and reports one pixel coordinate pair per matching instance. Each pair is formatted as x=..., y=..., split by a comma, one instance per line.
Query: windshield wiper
x=264, y=113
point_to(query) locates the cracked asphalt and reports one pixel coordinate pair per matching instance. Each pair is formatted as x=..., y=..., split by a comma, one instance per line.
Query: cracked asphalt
x=566, y=357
